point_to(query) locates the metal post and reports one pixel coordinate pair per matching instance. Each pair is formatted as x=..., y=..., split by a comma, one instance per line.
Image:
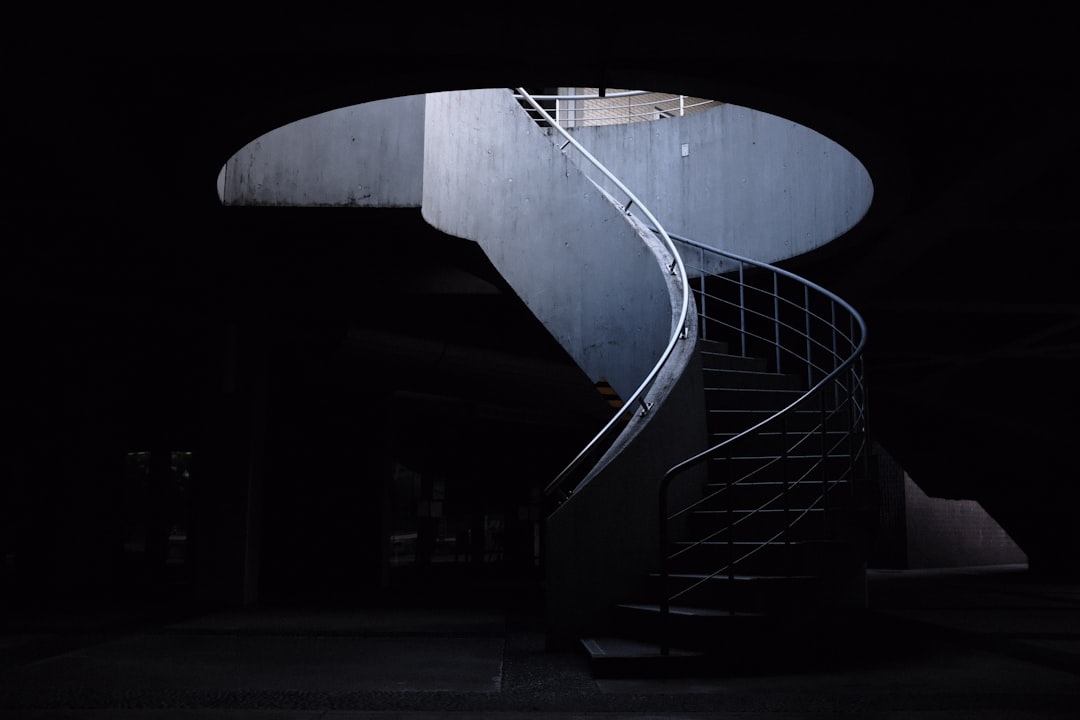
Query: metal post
x=742, y=306
x=776, y=317
x=824, y=430
x=809, y=362
x=785, y=470
x=665, y=605
x=704, y=324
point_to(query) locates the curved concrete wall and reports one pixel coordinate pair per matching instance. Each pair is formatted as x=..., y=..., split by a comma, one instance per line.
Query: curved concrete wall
x=731, y=177
x=368, y=155
x=492, y=175
x=737, y=179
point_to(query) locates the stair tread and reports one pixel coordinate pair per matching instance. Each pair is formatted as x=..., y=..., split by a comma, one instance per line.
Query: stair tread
x=763, y=390
x=608, y=646
x=761, y=510
x=772, y=433
x=773, y=483
x=808, y=456
x=728, y=354
x=741, y=578
x=738, y=371
x=798, y=541
x=694, y=611
x=739, y=411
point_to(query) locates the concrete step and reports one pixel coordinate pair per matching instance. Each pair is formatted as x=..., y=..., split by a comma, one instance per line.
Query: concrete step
x=743, y=472
x=711, y=360
x=770, y=648
x=768, y=524
x=800, y=557
x=774, y=442
x=751, y=398
x=716, y=378
x=737, y=418
x=689, y=627
x=614, y=656
x=777, y=596
x=712, y=345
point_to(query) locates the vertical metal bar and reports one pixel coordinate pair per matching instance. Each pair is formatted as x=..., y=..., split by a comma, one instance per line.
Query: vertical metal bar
x=835, y=351
x=785, y=479
x=809, y=350
x=665, y=605
x=704, y=323
x=731, y=527
x=853, y=419
x=865, y=453
x=776, y=317
x=742, y=306
x=852, y=440
x=824, y=430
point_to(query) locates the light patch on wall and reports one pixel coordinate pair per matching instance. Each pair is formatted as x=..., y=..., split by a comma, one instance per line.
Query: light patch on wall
x=954, y=533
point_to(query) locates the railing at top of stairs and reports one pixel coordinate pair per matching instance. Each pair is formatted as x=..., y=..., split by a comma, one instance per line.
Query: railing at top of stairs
x=614, y=107
x=561, y=485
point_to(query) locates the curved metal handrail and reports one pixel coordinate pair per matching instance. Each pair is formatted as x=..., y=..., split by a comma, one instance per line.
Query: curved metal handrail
x=854, y=355
x=845, y=350
x=676, y=267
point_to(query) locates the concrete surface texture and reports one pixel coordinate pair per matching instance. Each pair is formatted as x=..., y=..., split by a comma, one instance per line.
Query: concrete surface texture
x=989, y=642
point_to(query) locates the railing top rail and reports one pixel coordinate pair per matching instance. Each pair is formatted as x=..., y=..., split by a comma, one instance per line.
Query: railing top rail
x=591, y=108
x=853, y=355
x=676, y=267
x=595, y=96
x=651, y=98
x=785, y=273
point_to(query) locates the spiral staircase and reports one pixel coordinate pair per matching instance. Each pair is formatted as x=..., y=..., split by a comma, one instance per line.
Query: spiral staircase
x=761, y=533
x=725, y=495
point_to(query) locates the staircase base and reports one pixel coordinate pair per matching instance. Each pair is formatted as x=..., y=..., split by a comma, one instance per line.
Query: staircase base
x=618, y=657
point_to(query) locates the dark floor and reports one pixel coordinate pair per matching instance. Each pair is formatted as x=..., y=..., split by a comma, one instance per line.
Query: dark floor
x=962, y=643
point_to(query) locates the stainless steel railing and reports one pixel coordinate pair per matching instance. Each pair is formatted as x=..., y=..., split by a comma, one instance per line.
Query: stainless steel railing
x=564, y=483
x=799, y=328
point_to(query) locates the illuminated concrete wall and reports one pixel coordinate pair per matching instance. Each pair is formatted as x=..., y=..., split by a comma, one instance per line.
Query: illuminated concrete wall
x=953, y=533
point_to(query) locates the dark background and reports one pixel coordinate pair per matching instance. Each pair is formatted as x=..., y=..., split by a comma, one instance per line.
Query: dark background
x=141, y=316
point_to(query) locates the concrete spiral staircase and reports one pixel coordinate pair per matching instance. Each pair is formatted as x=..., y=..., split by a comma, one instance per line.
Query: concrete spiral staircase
x=773, y=428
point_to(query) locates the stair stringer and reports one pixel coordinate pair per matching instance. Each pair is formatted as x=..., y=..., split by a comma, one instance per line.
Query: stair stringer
x=600, y=538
